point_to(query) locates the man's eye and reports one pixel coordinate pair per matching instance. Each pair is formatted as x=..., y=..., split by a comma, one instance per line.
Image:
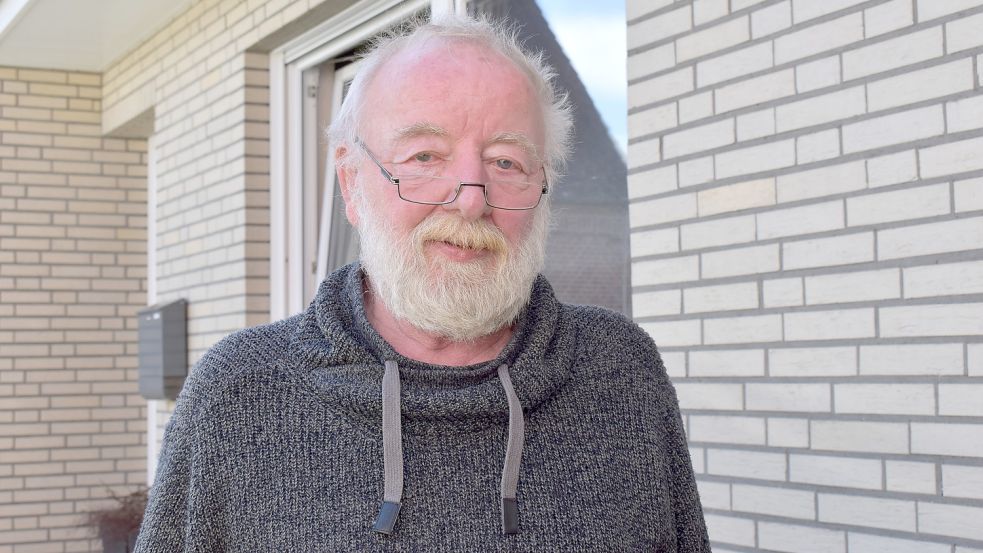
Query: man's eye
x=423, y=157
x=504, y=164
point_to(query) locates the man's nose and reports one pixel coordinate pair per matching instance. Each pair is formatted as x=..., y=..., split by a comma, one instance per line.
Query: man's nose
x=470, y=202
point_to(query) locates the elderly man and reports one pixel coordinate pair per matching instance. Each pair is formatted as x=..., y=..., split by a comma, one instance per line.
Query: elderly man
x=436, y=396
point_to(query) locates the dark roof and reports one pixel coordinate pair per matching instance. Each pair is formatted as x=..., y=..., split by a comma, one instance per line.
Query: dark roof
x=596, y=172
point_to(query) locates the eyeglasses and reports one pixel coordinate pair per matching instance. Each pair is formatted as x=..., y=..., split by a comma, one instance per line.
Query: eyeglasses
x=515, y=194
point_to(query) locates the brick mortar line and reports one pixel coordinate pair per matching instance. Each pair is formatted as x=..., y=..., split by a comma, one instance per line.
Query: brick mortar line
x=100, y=138
x=672, y=6
x=220, y=300
x=965, y=340
x=74, y=96
x=859, y=305
x=130, y=61
x=65, y=72
x=182, y=139
x=833, y=417
x=833, y=380
x=867, y=190
x=837, y=306
x=125, y=226
x=212, y=299
x=820, y=269
x=839, y=50
x=177, y=179
x=121, y=94
x=792, y=239
x=971, y=53
x=976, y=72
x=165, y=261
x=776, y=208
x=798, y=132
x=917, y=536
x=100, y=173
x=95, y=252
x=119, y=74
x=749, y=11
x=836, y=490
x=968, y=256
x=901, y=263
x=162, y=219
x=925, y=142
x=842, y=454
x=237, y=94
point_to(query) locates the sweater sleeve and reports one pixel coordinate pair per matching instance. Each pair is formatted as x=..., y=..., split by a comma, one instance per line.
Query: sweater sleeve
x=691, y=531
x=636, y=349
x=166, y=517
x=169, y=522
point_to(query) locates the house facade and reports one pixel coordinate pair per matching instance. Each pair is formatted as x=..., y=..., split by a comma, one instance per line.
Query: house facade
x=189, y=162
x=806, y=209
x=805, y=203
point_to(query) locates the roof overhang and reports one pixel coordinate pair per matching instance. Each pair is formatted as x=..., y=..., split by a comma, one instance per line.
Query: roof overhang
x=79, y=35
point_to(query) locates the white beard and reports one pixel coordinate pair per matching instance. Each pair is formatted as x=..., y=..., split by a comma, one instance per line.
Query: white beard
x=461, y=301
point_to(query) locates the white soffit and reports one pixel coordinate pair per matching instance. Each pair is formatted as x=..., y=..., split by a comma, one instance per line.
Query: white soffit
x=80, y=35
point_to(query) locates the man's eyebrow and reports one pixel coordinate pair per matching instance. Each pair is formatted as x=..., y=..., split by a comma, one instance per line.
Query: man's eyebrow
x=519, y=140
x=424, y=128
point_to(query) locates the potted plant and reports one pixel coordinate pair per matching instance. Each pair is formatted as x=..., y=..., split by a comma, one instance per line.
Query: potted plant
x=118, y=525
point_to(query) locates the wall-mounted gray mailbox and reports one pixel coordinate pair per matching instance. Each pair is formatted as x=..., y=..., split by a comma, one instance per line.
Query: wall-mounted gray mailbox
x=163, y=337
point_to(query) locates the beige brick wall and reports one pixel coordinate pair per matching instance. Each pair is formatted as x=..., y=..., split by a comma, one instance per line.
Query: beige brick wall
x=807, y=248
x=205, y=75
x=72, y=276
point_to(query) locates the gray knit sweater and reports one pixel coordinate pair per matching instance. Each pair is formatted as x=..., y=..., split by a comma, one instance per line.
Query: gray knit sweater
x=276, y=442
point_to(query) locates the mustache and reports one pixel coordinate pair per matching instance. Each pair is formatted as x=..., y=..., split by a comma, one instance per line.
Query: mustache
x=474, y=235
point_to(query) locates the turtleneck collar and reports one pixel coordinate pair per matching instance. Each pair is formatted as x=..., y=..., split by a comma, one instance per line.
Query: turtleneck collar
x=344, y=357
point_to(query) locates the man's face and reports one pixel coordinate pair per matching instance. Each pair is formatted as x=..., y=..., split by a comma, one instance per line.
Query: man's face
x=462, y=269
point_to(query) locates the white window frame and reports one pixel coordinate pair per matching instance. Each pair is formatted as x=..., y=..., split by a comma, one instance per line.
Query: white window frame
x=288, y=63
x=152, y=404
x=340, y=77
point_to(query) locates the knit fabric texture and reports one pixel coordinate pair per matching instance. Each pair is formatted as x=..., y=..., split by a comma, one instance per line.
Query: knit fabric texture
x=275, y=443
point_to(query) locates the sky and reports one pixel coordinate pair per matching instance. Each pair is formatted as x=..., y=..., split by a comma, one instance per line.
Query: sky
x=592, y=33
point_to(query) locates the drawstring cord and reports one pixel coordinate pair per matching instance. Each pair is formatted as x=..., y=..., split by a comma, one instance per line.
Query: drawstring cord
x=513, y=456
x=392, y=453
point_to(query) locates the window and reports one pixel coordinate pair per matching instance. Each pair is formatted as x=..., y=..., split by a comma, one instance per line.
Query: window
x=309, y=234
x=587, y=253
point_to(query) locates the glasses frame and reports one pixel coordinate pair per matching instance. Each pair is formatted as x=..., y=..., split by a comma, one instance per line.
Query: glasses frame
x=457, y=191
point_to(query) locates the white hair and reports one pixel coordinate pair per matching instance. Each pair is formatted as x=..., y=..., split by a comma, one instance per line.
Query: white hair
x=499, y=37
x=462, y=301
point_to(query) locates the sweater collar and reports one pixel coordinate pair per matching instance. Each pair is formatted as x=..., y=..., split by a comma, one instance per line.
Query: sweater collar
x=343, y=357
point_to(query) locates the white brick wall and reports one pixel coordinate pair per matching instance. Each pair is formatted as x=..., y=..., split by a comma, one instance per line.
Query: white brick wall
x=822, y=272
x=800, y=539
x=962, y=481
x=867, y=511
x=843, y=472
x=72, y=277
x=908, y=476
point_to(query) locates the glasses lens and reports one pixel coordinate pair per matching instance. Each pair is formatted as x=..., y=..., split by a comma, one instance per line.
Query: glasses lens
x=503, y=194
x=426, y=189
x=512, y=194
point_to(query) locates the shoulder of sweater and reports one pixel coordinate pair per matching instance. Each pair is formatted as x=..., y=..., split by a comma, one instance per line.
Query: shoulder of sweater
x=240, y=352
x=612, y=326
x=625, y=347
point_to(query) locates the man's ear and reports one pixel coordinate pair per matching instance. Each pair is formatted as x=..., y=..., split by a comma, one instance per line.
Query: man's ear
x=346, y=180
